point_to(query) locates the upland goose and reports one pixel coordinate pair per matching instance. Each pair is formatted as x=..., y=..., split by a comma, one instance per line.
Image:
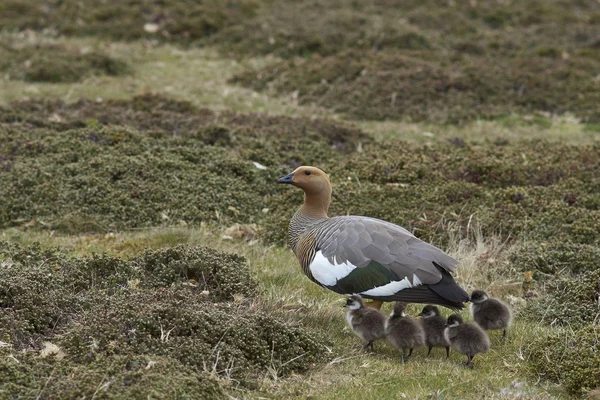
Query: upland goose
x=490, y=314
x=366, y=322
x=434, y=325
x=466, y=338
x=403, y=331
x=374, y=258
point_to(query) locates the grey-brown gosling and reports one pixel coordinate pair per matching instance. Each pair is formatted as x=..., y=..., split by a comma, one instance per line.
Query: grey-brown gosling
x=466, y=338
x=403, y=331
x=379, y=260
x=366, y=322
x=490, y=314
x=434, y=324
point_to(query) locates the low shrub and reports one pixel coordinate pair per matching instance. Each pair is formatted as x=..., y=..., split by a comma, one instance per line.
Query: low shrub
x=571, y=358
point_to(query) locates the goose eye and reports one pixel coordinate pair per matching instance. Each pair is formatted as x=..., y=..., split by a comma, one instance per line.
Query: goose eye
x=306, y=172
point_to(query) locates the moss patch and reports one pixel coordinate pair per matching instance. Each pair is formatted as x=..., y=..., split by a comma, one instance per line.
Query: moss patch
x=571, y=358
x=56, y=63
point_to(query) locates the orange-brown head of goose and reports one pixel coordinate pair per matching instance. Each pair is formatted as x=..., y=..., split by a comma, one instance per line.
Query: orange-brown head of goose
x=316, y=186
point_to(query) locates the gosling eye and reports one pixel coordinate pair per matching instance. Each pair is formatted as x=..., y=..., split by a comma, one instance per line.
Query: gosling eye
x=307, y=172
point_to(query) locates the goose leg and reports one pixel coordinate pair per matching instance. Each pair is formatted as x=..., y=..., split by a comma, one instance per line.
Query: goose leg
x=447, y=351
x=374, y=304
x=430, y=347
x=504, y=333
x=368, y=346
x=469, y=363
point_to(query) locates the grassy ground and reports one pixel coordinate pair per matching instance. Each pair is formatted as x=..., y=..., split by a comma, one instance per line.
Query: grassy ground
x=395, y=159
x=501, y=374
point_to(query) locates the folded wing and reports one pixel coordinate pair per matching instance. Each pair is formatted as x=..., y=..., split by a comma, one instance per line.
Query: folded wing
x=382, y=261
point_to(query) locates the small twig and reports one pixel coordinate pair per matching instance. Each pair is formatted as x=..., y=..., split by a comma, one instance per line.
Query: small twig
x=45, y=384
x=101, y=386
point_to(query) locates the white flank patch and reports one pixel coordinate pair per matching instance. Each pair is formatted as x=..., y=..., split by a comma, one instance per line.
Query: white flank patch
x=416, y=280
x=328, y=273
x=389, y=289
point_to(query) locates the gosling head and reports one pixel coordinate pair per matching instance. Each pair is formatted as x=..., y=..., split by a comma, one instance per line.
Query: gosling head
x=429, y=311
x=478, y=296
x=354, y=302
x=399, y=310
x=454, y=320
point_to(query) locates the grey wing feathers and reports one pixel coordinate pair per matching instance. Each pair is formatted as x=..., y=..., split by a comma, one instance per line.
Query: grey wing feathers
x=361, y=240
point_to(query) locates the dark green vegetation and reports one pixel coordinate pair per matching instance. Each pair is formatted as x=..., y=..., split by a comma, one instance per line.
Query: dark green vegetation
x=429, y=60
x=532, y=189
x=483, y=27
x=121, y=376
x=396, y=85
x=568, y=279
x=571, y=358
x=567, y=300
x=180, y=21
x=451, y=61
x=557, y=257
x=168, y=165
x=568, y=272
x=155, y=325
x=55, y=63
x=539, y=189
